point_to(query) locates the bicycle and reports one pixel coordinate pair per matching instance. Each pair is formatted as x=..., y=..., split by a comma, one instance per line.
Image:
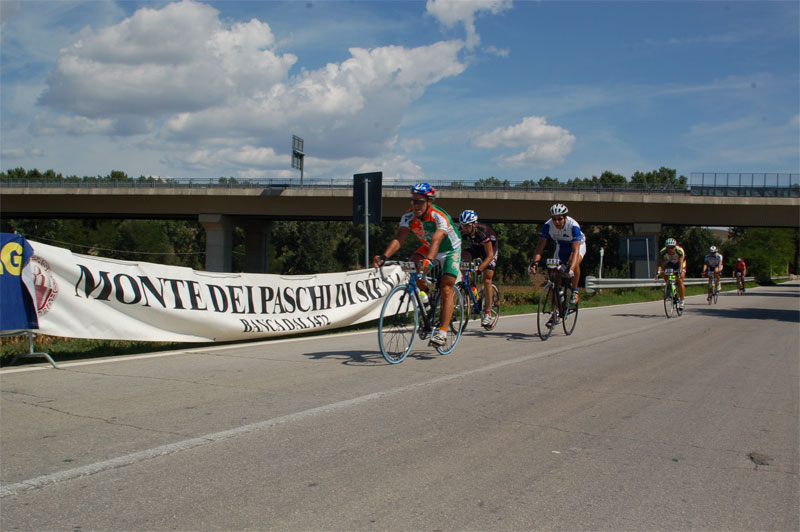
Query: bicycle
x=671, y=297
x=739, y=283
x=554, y=301
x=404, y=316
x=473, y=297
x=713, y=288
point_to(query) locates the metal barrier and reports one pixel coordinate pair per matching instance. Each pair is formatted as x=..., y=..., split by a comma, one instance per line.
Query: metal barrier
x=31, y=352
x=593, y=283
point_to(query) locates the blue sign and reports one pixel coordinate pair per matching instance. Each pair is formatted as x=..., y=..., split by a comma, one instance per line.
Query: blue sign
x=17, y=307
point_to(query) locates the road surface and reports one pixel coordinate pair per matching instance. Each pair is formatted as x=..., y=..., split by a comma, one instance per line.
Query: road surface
x=635, y=422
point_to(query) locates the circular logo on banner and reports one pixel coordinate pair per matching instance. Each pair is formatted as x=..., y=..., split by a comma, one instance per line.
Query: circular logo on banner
x=44, y=283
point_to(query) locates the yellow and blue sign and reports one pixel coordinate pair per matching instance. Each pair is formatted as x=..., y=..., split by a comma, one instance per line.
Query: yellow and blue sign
x=17, y=306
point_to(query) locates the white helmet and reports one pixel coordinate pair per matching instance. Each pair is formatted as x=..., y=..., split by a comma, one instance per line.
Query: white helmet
x=558, y=209
x=713, y=249
x=670, y=242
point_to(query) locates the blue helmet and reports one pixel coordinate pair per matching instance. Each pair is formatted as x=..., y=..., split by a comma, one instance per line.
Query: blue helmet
x=424, y=189
x=468, y=217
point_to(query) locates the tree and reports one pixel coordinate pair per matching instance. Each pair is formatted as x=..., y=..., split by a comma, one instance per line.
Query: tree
x=663, y=176
x=765, y=250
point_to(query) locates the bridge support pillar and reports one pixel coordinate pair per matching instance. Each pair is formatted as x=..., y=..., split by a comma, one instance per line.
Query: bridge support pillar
x=219, y=242
x=257, y=236
x=642, y=268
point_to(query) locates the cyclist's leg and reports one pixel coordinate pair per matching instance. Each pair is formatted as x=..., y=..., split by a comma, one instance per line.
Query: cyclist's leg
x=488, y=275
x=417, y=258
x=451, y=263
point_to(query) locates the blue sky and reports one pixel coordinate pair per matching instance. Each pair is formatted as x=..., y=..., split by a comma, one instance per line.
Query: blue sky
x=438, y=90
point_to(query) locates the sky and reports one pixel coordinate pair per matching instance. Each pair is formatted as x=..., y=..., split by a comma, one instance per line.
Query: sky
x=437, y=90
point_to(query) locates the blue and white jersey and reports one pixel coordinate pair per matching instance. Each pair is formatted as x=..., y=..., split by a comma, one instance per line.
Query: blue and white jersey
x=571, y=232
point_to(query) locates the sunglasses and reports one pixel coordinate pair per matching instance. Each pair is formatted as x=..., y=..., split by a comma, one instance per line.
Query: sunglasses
x=419, y=201
x=558, y=218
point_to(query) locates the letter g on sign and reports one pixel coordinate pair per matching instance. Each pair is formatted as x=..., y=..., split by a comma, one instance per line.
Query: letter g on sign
x=11, y=259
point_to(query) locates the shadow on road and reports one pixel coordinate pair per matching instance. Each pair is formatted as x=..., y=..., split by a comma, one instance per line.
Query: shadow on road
x=791, y=316
x=649, y=316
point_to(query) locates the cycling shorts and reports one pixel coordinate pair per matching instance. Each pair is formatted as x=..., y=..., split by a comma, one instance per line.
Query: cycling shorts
x=674, y=266
x=449, y=260
x=563, y=251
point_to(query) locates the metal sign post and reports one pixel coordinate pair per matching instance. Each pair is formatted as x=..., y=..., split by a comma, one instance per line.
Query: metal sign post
x=366, y=223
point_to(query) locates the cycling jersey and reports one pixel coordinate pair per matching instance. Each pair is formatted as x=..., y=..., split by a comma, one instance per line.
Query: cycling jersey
x=564, y=237
x=675, y=257
x=434, y=219
x=740, y=266
x=483, y=234
x=713, y=260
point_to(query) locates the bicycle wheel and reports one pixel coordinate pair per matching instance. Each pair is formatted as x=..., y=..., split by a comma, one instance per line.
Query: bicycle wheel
x=456, y=323
x=461, y=287
x=669, y=301
x=495, y=310
x=570, y=313
x=397, y=326
x=546, y=314
x=676, y=303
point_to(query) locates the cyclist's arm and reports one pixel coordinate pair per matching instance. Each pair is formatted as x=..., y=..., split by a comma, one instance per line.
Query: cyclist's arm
x=396, y=242
x=488, y=252
x=576, y=252
x=436, y=241
x=537, y=254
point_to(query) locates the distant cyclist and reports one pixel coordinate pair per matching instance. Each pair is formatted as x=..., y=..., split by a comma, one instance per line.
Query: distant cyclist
x=674, y=256
x=570, y=244
x=712, y=263
x=441, y=242
x=482, y=245
x=740, y=270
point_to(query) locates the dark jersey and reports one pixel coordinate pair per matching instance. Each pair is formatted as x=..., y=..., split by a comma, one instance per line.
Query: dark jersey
x=483, y=233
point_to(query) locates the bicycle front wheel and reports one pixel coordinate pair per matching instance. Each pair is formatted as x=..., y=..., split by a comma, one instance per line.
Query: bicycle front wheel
x=461, y=287
x=546, y=316
x=397, y=326
x=570, y=313
x=669, y=301
x=457, y=323
x=495, y=309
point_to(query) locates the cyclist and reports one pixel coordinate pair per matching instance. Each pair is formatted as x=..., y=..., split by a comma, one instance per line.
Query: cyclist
x=713, y=263
x=740, y=269
x=482, y=245
x=571, y=244
x=441, y=242
x=674, y=256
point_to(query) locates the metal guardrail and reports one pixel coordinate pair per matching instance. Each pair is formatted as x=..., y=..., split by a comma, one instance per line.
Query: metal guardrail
x=593, y=283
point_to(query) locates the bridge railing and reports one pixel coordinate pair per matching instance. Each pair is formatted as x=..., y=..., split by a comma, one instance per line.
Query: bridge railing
x=397, y=184
x=763, y=185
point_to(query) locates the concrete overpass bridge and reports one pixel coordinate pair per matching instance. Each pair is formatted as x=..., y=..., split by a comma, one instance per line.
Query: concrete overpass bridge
x=254, y=205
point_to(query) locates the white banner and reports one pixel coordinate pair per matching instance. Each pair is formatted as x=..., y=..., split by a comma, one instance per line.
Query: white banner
x=81, y=296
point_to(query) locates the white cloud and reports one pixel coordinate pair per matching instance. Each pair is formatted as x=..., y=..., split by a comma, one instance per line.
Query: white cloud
x=202, y=89
x=453, y=12
x=545, y=145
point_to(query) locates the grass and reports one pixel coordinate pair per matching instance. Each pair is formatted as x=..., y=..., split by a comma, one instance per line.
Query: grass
x=516, y=299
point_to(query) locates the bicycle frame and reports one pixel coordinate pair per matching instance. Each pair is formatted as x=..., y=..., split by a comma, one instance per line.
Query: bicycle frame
x=671, y=293
x=469, y=272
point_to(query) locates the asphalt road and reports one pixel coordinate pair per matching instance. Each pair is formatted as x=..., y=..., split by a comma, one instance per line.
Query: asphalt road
x=635, y=422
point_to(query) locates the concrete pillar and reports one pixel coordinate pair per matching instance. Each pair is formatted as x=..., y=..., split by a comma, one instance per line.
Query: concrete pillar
x=640, y=267
x=257, y=236
x=219, y=242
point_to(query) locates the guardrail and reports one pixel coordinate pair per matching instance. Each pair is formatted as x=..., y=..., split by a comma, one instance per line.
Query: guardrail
x=593, y=283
